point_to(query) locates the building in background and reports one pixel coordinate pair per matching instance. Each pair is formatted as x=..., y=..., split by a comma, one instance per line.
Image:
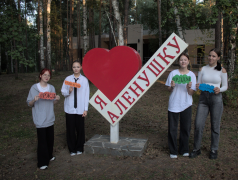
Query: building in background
x=199, y=43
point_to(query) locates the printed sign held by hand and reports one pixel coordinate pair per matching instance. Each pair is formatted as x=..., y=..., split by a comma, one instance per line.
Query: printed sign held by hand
x=47, y=95
x=182, y=79
x=77, y=85
x=206, y=87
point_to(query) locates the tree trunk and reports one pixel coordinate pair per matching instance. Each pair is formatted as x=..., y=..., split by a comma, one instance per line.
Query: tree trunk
x=42, y=60
x=110, y=29
x=67, y=42
x=45, y=31
x=114, y=41
x=26, y=54
x=9, y=64
x=79, y=33
x=119, y=25
x=85, y=42
x=71, y=31
x=100, y=23
x=180, y=30
x=159, y=21
x=16, y=62
x=48, y=36
x=232, y=56
x=38, y=30
x=12, y=66
x=1, y=60
x=125, y=29
x=61, y=40
x=218, y=30
x=91, y=24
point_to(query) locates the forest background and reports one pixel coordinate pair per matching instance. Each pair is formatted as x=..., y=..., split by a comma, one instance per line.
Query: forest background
x=38, y=33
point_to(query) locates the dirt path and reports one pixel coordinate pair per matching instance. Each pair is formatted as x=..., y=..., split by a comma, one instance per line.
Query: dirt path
x=147, y=119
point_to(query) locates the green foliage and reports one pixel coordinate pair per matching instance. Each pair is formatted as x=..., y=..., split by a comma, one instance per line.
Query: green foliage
x=14, y=35
x=231, y=95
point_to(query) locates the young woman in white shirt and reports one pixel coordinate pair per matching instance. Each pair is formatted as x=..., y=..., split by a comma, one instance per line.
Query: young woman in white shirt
x=180, y=108
x=43, y=117
x=212, y=74
x=75, y=107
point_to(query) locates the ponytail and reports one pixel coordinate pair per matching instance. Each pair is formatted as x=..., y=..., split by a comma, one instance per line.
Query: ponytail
x=218, y=67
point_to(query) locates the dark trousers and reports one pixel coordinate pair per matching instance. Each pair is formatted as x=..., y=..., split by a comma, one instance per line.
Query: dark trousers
x=185, y=127
x=208, y=102
x=75, y=132
x=45, y=138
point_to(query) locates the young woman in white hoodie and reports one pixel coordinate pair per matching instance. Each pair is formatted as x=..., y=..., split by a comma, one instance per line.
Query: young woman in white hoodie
x=43, y=117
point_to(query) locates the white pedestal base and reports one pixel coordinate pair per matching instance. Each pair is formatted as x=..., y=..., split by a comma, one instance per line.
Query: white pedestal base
x=114, y=133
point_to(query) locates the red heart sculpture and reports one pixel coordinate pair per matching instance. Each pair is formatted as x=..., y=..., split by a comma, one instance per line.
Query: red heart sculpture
x=110, y=71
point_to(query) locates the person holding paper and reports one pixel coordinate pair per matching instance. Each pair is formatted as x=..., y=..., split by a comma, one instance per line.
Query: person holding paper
x=75, y=107
x=43, y=117
x=211, y=74
x=180, y=108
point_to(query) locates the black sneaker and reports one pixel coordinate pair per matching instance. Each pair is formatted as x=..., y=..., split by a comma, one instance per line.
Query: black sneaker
x=213, y=154
x=194, y=153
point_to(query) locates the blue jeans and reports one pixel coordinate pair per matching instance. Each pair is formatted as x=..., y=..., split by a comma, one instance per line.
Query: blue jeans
x=185, y=127
x=208, y=102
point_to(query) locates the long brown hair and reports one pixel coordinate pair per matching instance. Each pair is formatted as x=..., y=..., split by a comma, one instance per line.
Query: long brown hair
x=218, y=52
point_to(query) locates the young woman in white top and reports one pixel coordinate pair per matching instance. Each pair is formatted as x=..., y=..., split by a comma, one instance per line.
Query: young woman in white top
x=43, y=117
x=212, y=74
x=180, y=107
x=76, y=107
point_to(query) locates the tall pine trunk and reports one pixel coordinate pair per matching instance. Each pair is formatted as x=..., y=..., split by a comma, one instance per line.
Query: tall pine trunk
x=159, y=21
x=179, y=28
x=91, y=24
x=125, y=29
x=100, y=23
x=218, y=30
x=119, y=24
x=26, y=54
x=45, y=31
x=48, y=36
x=42, y=60
x=79, y=32
x=71, y=21
x=110, y=31
x=61, y=40
x=1, y=60
x=85, y=42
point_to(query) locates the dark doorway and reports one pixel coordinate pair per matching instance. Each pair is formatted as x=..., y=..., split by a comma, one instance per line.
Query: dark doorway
x=134, y=46
x=200, y=54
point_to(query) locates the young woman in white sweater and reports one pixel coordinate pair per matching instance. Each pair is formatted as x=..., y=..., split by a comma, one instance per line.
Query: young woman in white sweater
x=211, y=74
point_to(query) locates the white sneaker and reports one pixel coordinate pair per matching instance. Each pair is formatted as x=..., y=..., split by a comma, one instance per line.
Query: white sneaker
x=78, y=152
x=52, y=159
x=43, y=167
x=72, y=154
x=173, y=156
x=185, y=154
